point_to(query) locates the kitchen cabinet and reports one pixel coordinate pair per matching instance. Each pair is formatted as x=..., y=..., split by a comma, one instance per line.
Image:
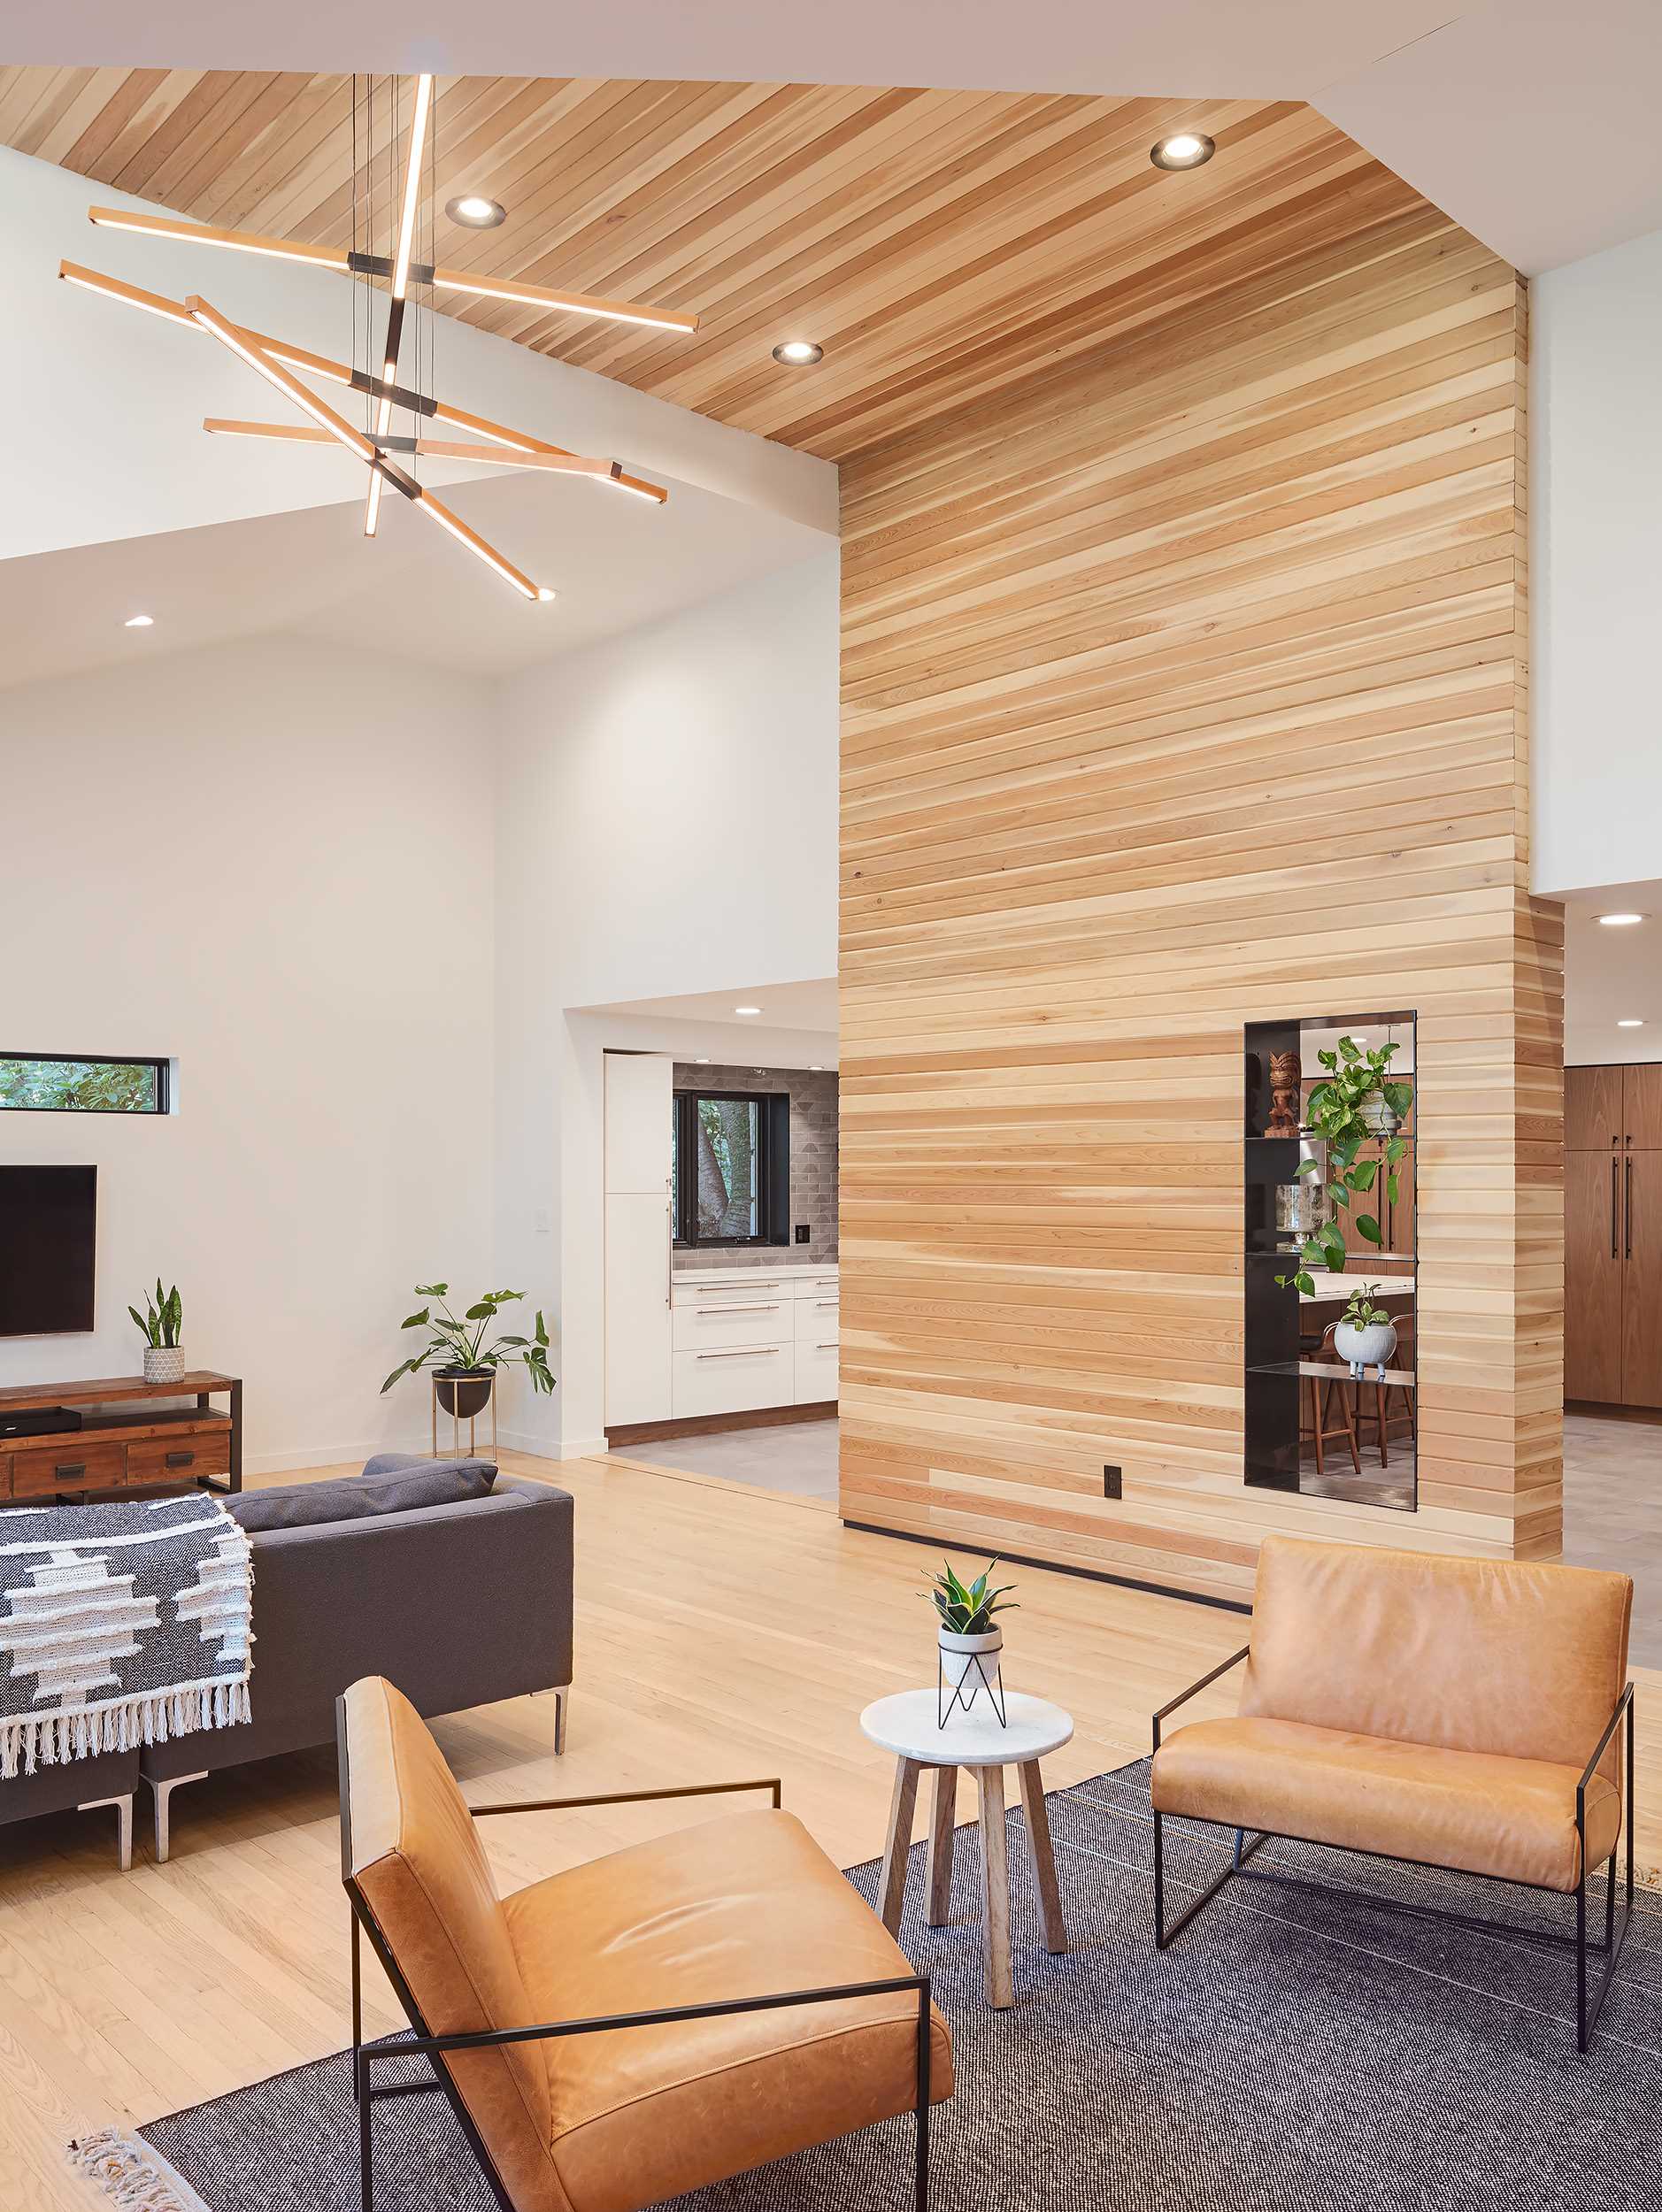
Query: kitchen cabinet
x=639, y=1238
x=1613, y=1234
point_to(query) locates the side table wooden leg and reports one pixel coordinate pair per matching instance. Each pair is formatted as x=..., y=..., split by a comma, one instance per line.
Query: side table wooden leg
x=1038, y=1821
x=942, y=1813
x=995, y=1888
x=892, y=1889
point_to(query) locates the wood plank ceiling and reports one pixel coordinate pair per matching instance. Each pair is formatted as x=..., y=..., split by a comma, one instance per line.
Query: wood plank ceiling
x=939, y=245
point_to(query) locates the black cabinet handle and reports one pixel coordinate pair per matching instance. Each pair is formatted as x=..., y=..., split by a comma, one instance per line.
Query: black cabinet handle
x=1615, y=1238
x=77, y=1468
x=182, y=1459
x=1629, y=1204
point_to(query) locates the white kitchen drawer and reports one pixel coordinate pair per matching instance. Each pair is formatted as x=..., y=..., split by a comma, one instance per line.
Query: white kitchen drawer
x=729, y=1379
x=816, y=1376
x=736, y=1289
x=746, y=1321
x=817, y=1317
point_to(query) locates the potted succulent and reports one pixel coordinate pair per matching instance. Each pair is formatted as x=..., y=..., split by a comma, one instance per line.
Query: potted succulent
x=1356, y=1104
x=1365, y=1334
x=159, y=1326
x=462, y=1354
x=968, y=1629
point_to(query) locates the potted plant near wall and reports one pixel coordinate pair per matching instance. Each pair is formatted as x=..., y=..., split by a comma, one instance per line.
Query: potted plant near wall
x=1354, y=1106
x=159, y=1325
x=969, y=1635
x=463, y=1353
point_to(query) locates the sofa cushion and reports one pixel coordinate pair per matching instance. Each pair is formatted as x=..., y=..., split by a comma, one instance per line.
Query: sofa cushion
x=407, y=1489
x=1469, y=1810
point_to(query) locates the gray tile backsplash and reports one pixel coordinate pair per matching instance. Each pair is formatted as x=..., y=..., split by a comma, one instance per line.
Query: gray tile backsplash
x=813, y=1163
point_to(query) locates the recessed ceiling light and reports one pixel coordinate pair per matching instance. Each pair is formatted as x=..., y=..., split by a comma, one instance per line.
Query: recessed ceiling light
x=747, y=1009
x=476, y=210
x=703, y=1061
x=1632, y=1022
x=814, y=1068
x=798, y=353
x=139, y=622
x=1620, y=921
x=1183, y=149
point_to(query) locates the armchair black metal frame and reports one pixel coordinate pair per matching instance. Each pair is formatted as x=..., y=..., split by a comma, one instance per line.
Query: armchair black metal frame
x=435, y=2048
x=1609, y=1949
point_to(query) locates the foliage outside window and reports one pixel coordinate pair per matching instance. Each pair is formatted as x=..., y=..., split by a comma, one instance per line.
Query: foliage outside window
x=721, y=1179
x=56, y=1083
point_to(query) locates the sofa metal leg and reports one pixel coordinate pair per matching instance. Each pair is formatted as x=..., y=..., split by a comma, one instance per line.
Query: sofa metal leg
x=123, y=1824
x=1241, y=1853
x=161, y=1792
x=365, y=2136
x=562, y=1700
x=358, y=2003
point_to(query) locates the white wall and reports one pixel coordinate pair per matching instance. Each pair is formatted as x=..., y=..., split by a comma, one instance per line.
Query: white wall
x=1596, y=569
x=668, y=824
x=275, y=862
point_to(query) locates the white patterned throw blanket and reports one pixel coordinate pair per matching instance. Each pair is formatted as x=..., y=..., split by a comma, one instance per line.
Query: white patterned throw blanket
x=119, y=1624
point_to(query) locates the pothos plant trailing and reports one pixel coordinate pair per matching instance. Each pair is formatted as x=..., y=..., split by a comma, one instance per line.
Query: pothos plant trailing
x=1343, y=1112
x=464, y=1351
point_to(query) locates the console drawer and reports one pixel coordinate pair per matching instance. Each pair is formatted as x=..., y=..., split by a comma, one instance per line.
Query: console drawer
x=816, y=1317
x=815, y=1378
x=75, y=1463
x=160, y=1459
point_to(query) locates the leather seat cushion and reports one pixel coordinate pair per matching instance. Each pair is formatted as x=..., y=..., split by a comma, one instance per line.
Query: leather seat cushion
x=744, y=1905
x=1470, y=1811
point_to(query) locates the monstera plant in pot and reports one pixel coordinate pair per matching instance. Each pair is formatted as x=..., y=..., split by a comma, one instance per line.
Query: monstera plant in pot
x=1353, y=1109
x=465, y=1354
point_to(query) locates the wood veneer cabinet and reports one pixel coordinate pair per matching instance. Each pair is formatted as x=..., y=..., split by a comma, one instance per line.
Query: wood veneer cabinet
x=1613, y=1234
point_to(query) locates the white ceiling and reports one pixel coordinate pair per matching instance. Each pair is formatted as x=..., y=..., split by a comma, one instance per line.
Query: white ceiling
x=615, y=563
x=1532, y=122
x=1611, y=973
x=810, y=1005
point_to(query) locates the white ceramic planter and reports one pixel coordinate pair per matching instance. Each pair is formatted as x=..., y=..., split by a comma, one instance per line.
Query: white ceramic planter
x=164, y=1363
x=1378, y=1118
x=970, y=1664
x=1364, y=1348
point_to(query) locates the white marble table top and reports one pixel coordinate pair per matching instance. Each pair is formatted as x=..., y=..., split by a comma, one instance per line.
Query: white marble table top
x=905, y=1724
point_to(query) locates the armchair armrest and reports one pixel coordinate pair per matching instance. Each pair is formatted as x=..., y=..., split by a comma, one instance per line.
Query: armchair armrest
x=490, y=2039
x=1624, y=1704
x=630, y=1797
x=1194, y=1688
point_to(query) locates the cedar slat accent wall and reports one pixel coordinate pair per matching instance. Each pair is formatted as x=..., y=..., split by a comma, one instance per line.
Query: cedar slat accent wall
x=1181, y=689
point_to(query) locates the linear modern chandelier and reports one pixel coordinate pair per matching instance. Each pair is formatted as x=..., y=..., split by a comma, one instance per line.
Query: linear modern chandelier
x=388, y=455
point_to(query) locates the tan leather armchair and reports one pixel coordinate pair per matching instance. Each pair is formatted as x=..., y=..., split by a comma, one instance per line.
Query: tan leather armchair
x=1456, y=1713
x=645, y=2024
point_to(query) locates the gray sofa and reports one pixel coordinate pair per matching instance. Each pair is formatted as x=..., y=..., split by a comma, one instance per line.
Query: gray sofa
x=458, y=1604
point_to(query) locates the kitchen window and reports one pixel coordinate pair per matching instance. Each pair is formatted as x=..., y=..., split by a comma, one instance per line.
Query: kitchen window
x=731, y=1168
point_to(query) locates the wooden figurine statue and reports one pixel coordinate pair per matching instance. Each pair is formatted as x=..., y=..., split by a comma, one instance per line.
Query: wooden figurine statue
x=1285, y=1074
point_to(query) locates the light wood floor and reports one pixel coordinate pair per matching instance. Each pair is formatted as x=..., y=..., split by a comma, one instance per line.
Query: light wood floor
x=722, y=1632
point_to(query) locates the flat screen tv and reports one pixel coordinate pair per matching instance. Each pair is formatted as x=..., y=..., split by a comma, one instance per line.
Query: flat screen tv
x=49, y=1222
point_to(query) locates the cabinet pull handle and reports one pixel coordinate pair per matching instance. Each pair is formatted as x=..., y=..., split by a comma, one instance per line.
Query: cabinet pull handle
x=705, y=1312
x=1615, y=1242
x=1629, y=1205
x=744, y=1351
x=823, y=1302
x=827, y=1347
x=182, y=1459
x=77, y=1467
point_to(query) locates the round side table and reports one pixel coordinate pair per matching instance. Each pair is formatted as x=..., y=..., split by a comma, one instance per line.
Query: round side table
x=907, y=1724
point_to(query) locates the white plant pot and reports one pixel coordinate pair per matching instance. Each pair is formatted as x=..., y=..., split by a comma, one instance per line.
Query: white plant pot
x=1377, y=1115
x=164, y=1363
x=970, y=1664
x=1364, y=1348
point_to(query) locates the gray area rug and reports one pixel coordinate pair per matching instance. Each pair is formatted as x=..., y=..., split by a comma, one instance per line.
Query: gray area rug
x=1289, y=2050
